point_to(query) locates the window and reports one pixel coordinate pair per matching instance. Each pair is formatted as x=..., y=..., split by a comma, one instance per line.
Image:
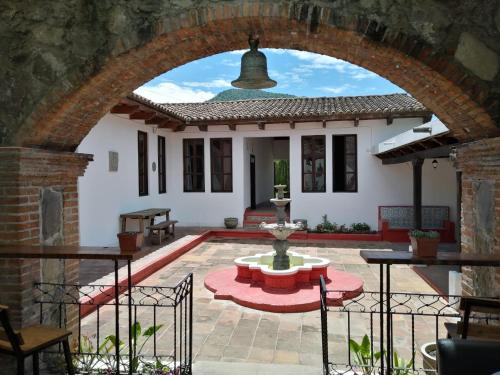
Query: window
x=313, y=163
x=142, y=147
x=162, y=176
x=221, y=161
x=345, y=170
x=194, y=169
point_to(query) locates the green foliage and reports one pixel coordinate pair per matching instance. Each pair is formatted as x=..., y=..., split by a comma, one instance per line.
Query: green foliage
x=423, y=234
x=327, y=227
x=400, y=366
x=136, y=337
x=246, y=94
x=281, y=172
x=363, y=354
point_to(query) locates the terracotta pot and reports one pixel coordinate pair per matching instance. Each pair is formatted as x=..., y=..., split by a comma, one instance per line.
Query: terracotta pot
x=428, y=352
x=231, y=222
x=130, y=241
x=424, y=247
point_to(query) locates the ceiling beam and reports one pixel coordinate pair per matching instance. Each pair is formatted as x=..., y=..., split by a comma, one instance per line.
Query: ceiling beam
x=180, y=128
x=203, y=128
x=356, y=122
x=141, y=115
x=232, y=127
x=432, y=153
x=261, y=125
x=324, y=124
x=292, y=124
x=124, y=108
x=389, y=120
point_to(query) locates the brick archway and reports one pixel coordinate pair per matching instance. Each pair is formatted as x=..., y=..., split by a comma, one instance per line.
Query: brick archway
x=460, y=99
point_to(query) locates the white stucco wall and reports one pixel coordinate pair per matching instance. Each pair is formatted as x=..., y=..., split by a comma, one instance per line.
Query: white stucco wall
x=105, y=195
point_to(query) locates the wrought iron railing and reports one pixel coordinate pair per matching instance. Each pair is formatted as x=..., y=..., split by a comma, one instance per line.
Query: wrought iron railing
x=416, y=319
x=161, y=326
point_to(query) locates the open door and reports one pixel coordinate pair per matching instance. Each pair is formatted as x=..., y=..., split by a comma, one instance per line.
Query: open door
x=252, y=182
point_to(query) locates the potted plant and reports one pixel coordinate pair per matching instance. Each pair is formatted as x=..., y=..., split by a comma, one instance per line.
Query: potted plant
x=130, y=241
x=424, y=243
x=231, y=222
x=428, y=351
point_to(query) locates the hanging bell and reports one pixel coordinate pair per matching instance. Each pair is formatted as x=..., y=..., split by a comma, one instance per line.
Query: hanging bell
x=253, y=73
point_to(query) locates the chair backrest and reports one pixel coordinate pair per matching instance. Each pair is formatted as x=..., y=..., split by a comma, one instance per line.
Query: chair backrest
x=7, y=333
x=486, y=306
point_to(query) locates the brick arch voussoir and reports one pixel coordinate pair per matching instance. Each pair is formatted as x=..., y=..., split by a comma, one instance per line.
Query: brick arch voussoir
x=65, y=124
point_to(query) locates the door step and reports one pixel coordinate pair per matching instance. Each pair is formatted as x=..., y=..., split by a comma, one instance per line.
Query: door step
x=248, y=368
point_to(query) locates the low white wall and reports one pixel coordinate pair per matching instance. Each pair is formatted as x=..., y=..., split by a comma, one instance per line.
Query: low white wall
x=105, y=195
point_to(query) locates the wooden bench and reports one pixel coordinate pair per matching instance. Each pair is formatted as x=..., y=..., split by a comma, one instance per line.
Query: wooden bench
x=31, y=341
x=165, y=227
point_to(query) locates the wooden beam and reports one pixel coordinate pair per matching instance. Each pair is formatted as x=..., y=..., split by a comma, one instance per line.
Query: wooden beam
x=261, y=125
x=324, y=124
x=123, y=108
x=426, y=118
x=437, y=141
x=432, y=153
x=292, y=124
x=155, y=120
x=232, y=127
x=203, y=128
x=169, y=124
x=356, y=122
x=389, y=120
x=180, y=128
x=141, y=115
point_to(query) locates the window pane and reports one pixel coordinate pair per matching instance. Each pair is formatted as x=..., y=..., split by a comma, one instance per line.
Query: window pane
x=216, y=182
x=319, y=146
x=216, y=165
x=199, y=183
x=199, y=149
x=306, y=146
x=308, y=185
x=350, y=144
x=307, y=165
x=350, y=182
x=188, y=182
x=319, y=167
x=228, y=182
x=198, y=165
x=227, y=165
x=350, y=163
x=227, y=148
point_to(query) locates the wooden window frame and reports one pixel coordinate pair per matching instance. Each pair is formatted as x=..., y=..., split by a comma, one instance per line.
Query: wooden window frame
x=195, y=174
x=162, y=167
x=222, y=157
x=142, y=159
x=355, y=154
x=313, y=167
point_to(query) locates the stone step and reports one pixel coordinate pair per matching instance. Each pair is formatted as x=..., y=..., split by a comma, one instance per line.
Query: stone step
x=248, y=368
x=267, y=219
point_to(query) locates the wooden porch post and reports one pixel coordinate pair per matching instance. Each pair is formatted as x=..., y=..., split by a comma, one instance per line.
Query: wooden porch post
x=417, y=192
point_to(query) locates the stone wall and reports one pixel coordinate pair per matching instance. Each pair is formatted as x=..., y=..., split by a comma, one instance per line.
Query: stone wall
x=38, y=205
x=66, y=63
x=480, y=166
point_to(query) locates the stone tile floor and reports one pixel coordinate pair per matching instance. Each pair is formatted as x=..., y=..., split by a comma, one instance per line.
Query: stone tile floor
x=225, y=331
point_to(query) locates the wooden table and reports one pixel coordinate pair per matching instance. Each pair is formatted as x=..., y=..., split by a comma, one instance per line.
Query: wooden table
x=388, y=258
x=82, y=252
x=148, y=214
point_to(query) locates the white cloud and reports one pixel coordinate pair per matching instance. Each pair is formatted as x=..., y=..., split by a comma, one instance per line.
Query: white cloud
x=363, y=75
x=168, y=92
x=277, y=51
x=317, y=61
x=216, y=83
x=238, y=52
x=228, y=62
x=337, y=90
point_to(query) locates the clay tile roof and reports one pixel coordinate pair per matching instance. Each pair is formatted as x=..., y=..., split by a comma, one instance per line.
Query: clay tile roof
x=291, y=108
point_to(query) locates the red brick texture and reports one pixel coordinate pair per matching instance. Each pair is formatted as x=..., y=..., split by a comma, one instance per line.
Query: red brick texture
x=23, y=172
x=437, y=80
x=480, y=165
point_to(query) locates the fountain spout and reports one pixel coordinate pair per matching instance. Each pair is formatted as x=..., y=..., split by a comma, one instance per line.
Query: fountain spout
x=281, y=230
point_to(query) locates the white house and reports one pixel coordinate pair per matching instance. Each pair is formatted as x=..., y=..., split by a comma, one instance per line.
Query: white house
x=197, y=159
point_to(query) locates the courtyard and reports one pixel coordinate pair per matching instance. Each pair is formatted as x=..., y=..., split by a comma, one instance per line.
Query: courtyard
x=227, y=332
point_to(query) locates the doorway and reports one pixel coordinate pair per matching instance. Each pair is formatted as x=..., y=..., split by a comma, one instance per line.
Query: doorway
x=253, y=204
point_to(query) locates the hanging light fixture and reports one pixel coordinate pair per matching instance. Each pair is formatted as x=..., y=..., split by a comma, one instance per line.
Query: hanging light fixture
x=434, y=164
x=253, y=74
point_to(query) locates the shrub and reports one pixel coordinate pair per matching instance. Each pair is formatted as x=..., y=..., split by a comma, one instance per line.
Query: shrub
x=423, y=234
x=360, y=227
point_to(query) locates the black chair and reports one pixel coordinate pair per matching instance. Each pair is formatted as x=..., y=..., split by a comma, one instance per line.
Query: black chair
x=461, y=355
x=468, y=357
x=31, y=341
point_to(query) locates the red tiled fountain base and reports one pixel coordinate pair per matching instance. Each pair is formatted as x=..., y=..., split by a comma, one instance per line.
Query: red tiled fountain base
x=254, y=294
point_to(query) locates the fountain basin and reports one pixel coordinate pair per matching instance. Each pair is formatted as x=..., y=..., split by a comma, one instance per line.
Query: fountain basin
x=281, y=231
x=303, y=269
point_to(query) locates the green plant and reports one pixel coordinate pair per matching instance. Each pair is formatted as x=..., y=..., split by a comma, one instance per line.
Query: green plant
x=85, y=358
x=363, y=354
x=423, y=234
x=360, y=227
x=157, y=368
x=400, y=366
x=326, y=225
x=136, y=335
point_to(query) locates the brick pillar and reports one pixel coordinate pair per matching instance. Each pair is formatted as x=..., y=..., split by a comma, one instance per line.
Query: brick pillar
x=38, y=205
x=479, y=163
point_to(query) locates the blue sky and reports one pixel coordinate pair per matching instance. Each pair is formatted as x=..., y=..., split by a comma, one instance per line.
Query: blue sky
x=297, y=72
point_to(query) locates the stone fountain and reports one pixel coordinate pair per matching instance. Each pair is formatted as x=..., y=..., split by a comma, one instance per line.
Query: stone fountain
x=281, y=230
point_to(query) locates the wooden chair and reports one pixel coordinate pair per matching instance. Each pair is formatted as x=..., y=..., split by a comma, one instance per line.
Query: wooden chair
x=464, y=328
x=31, y=341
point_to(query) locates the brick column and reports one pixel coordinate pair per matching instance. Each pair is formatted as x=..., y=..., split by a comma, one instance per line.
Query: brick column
x=479, y=163
x=38, y=205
